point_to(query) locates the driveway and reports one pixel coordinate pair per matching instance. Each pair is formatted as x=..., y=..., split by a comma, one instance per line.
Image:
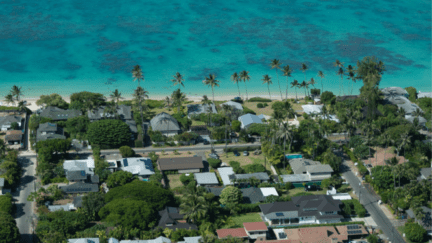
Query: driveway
x=24, y=212
x=370, y=202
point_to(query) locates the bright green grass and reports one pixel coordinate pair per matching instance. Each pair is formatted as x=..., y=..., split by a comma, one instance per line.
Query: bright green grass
x=237, y=221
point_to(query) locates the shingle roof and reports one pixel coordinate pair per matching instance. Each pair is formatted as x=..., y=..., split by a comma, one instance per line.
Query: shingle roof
x=252, y=195
x=295, y=178
x=181, y=163
x=319, y=169
x=164, y=122
x=196, y=109
x=249, y=119
x=94, y=179
x=77, y=201
x=76, y=175
x=299, y=165
x=50, y=128
x=13, y=135
x=8, y=120
x=2, y=180
x=124, y=112
x=57, y=114
x=259, y=175
x=224, y=173
x=206, y=178
x=80, y=187
x=138, y=166
x=238, y=232
x=215, y=190
x=255, y=226
x=394, y=91
x=236, y=105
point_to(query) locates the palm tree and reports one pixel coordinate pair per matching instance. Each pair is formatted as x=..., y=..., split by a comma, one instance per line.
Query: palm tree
x=351, y=75
x=116, y=96
x=227, y=110
x=303, y=85
x=244, y=76
x=276, y=64
x=212, y=82
x=340, y=72
x=304, y=68
x=287, y=73
x=9, y=99
x=193, y=208
x=208, y=102
x=168, y=102
x=140, y=95
x=178, y=79
x=267, y=80
x=178, y=98
x=321, y=75
x=284, y=133
x=295, y=84
x=111, y=109
x=21, y=106
x=16, y=91
x=137, y=74
x=236, y=79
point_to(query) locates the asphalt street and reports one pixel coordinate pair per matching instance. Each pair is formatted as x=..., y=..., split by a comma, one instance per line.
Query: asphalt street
x=24, y=214
x=370, y=202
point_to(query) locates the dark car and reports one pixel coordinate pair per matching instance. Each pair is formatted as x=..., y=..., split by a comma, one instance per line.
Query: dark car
x=245, y=153
x=236, y=153
x=214, y=156
x=206, y=142
x=369, y=165
x=312, y=188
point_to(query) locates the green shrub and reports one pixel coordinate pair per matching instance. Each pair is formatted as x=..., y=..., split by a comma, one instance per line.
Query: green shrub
x=353, y=206
x=214, y=163
x=265, y=104
x=236, y=125
x=412, y=92
x=300, y=194
x=139, y=143
x=126, y=151
x=249, y=208
x=260, y=105
x=254, y=168
x=154, y=103
x=248, y=111
x=236, y=167
x=109, y=133
x=415, y=232
x=259, y=99
x=186, y=179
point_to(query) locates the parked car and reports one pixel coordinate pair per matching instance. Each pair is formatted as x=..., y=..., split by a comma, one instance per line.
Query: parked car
x=206, y=142
x=214, y=156
x=236, y=153
x=312, y=188
x=245, y=153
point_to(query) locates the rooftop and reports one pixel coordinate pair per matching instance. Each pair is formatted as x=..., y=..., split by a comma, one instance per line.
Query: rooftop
x=235, y=105
x=255, y=226
x=57, y=114
x=196, y=109
x=295, y=178
x=258, y=175
x=224, y=173
x=268, y=191
x=238, y=232
x=249, y=119
x=299, y=165
x=138, y=166
x=206, y=178
x=164, y=122
x=181, y=163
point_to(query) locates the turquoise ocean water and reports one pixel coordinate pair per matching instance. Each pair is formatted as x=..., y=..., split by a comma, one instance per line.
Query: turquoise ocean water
x=68, y=46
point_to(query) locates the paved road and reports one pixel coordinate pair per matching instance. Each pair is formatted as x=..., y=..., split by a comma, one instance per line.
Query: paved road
x=24, y=212
x=370, y=202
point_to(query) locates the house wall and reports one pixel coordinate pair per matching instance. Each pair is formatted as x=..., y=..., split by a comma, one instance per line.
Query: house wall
x=189, y=171
x=170, y=133
x=328, y=221
x=256, y=234
x=319, y=176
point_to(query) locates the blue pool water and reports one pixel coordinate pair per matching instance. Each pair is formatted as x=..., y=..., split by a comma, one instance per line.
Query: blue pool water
x=294, y=156
x=67, y=46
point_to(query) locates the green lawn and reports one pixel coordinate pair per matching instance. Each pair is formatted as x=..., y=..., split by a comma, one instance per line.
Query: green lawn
x=197, y=123
x=174, y=180
x=237, y=221
x=294, y=191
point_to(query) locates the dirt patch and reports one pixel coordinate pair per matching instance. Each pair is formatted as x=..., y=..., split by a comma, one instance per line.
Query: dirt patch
x=243, y=160
x=378, y=157
x=62, y=202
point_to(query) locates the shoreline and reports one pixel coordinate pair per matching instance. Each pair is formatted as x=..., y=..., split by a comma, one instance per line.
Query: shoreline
x=31, y=101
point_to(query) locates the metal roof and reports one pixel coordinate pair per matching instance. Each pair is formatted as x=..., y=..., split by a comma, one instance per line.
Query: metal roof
x=296, y=178
x=224, y=173
x=66, y=207
x=319, y=169
x=206, y=178
x=235, y=105
x=164, y=122
x=249, y=119
x=260, y=175
x=298, y=165
x=267, y=191
x=84, y=164
x=80, y=187
x=84, y=240
x=138, y=166
x=196, y=109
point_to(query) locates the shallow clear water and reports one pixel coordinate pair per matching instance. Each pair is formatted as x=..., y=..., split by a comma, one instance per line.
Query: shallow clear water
x=68, y=46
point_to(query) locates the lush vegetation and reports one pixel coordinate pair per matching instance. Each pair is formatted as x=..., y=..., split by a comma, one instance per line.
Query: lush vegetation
x=12, y=170
x=109, y=133
x=52, y=100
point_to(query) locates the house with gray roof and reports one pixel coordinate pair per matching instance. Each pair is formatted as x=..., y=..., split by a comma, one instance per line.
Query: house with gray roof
x=315, y=209
x=86, y=165
x=6, y=122
x=314, y=169
x=57, y=114
x=233, y=104
x=171, y=218
x=48, y=131
x=249, y=119
x=79, y=187
x=392, y=91
x=160, y=239
x=166, y=124
x=193, y=239
x=2, y=182
x=225, y=173
x=425, y=173
x=142, y=167
x=77, y=201
x=424, y=95
x=296, y=178
x=84, y=240
x=124, y=113
x=197, y=109
x=206, y=179
x=262, y=176
x=67, y=207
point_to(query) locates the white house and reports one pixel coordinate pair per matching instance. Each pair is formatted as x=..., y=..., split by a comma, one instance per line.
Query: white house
x=225, y=173
x=142, y=167
x=249, y=119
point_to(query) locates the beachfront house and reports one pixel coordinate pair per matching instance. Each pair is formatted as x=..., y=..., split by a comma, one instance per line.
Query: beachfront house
x=249, y=119
x=124, y=113
x=48, y=131
x=315, y=209
x=182, y=164
x=142, y=167
x=166, y=124
x=57, y=114
x=234, y=105
x=197, y=109
x=6, y=122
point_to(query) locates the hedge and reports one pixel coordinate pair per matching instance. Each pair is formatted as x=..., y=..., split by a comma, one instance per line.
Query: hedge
x=249, y=208
x=241, y=149
x=259, y=99
x=362, y=168
x=319, y=225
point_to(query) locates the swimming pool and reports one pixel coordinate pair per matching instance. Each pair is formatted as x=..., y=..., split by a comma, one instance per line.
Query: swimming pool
x=294, y=156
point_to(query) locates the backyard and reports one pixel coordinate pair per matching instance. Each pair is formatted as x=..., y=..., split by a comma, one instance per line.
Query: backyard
x=237, y=221
x=174, y=180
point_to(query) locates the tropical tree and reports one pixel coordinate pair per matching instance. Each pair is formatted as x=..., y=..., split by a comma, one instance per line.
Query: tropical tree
x=111, y=109
x=304, y=68
x=236, y=79
x=275, y=64
x=168, y=102
x=2, y=147
x=178, y=80
x=116, y=96
x=137, y=74
x=208, y=102
x=244, y=76
x=178, y=98
x=303, y=85
x=295, y=84
x=212, y=82
x=339, y=64
x=351, y=76
x=341, y=73
x=21, y=106
x=16, y=91
x=321, y=75
x=9, y=99
x=287, y=73
x=228, y=112
x=267, y=80
x=193, y=207
x=139, y=96
x=284, y=133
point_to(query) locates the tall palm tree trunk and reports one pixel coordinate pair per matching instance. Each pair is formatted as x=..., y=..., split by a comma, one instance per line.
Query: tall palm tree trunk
x=322, y=86
x=295, y=87
x=269, y=90
x=280, y=90
x=286, y=92
x=246, y=92
x=238, y=87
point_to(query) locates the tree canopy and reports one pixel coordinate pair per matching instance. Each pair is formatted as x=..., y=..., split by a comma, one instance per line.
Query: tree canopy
x=119, y=178
x=92, y=203
x=52, y=100
x=86, y=100
x=230, y=195
x=415, y=232
x=77, y=125
x=109, y=133
x=8, y=229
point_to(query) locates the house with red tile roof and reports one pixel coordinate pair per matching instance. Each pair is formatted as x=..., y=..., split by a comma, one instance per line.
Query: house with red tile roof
x=249, y=231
